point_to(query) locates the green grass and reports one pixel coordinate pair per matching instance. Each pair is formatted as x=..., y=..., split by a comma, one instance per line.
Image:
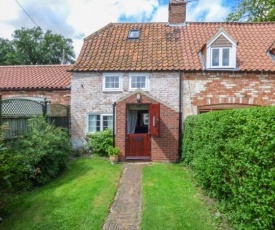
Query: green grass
x=171, y=201
x=79, y=199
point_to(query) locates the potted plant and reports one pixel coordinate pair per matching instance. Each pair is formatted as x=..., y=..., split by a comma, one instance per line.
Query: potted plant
x=113, y=154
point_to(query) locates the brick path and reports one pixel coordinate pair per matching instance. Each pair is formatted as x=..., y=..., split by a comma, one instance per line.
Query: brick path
x=125, y=212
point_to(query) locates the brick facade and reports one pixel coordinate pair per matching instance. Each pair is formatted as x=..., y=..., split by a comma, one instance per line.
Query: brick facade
x=220, y=88
x=164, y=147
x=88, y=97
x=55, y=96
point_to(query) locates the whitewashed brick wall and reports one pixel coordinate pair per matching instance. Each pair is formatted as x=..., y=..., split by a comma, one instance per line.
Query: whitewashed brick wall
x=87, y=97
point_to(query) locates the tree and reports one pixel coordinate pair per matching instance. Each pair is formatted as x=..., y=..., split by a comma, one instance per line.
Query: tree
x=32, y=46
x=253, y=11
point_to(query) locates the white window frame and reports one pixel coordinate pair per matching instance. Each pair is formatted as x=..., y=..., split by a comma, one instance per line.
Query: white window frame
x=220, y=57
x=134, y=34
x=232, y=53
x=101, y=120
x=131, y=75
x=119, y=75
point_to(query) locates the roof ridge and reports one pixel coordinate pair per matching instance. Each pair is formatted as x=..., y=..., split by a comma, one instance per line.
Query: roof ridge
x=242, y=23
x=21, y=66
x=99, y=31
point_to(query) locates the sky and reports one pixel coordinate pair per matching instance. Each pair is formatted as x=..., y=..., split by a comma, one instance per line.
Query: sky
x=77, y=19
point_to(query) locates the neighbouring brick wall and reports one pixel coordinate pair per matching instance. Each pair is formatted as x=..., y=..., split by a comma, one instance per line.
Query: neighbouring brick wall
x=163, y=148
x=88, y=97
x=211, y=88
x=56, y=96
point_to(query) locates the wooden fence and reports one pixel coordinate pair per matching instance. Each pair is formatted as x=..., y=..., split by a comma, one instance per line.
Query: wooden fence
x=15, y=114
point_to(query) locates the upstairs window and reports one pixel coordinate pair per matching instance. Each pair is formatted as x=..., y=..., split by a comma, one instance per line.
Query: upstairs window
x=134, y=34
x=220, y=57
x=139, y=81
x=112, y=82
x=221, y=52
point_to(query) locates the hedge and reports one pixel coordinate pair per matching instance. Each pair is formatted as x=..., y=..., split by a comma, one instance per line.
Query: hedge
x=233, y=156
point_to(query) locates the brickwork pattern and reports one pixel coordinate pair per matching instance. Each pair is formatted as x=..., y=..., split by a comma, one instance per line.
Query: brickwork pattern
x=88, y=97
x=163, y=148
x=177, y=12
x=125, y=212
x=56, y=96
x=227, y=88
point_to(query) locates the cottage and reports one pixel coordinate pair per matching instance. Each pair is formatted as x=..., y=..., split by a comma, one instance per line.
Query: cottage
x=143, y=79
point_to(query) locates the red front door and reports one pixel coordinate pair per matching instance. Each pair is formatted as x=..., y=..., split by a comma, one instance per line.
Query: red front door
x=138, y=146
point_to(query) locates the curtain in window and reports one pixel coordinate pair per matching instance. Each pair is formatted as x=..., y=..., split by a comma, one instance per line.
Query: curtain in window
x=131, y=121
x=108, y=122
x=92, y=123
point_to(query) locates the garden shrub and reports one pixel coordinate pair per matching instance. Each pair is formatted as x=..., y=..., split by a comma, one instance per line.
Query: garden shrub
x=14, y=175
x=46, y=149
x=99, y=142
x=233, y=156
x=33, y=159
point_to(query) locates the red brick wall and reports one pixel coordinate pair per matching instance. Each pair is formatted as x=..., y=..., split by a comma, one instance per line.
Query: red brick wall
x=177, y=12
x=56, y=96
x=163, y=148
x=202, y=89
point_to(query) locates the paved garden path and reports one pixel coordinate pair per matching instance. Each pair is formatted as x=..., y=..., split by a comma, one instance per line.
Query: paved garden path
x=125, y=212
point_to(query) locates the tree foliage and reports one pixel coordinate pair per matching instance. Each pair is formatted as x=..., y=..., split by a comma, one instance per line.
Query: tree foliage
x=33, y=46
x=253, y=11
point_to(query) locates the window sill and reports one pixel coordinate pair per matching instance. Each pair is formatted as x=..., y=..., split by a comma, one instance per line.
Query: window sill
x=111, y=90
x=145, y=89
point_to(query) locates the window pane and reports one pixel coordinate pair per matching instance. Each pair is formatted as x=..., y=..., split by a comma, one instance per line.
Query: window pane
x=215, y=57
x=94, y=123
x=138, y=82
x=225, y=57
x=112, y=82
x=107, y=122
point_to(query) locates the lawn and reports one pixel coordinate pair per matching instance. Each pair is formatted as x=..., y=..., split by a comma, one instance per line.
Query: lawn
x=171, y=201
x=79, y=199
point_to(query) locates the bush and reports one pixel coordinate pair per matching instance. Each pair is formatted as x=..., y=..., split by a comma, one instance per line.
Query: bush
x=99, y=142
x=14, y=175
x=232, y=154
x=46, y=150
x=33, y=159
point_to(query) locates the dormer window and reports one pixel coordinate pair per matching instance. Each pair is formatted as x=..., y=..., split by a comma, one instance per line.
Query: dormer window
x=271, y=52
x=133, y=34
x=220, y=57
x=221, y=52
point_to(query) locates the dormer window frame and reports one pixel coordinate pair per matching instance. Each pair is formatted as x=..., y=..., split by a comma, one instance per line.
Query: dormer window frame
x=221, y=54
x=134, y=34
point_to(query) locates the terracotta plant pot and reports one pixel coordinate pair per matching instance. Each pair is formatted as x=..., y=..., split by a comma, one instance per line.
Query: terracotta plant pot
x=114, y=159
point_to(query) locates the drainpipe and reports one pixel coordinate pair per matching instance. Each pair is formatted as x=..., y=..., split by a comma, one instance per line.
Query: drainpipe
x=114, y=125
x=180, y=116
x=0, y=107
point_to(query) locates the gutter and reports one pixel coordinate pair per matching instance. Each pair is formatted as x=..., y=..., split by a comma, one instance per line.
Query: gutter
x=180, y=117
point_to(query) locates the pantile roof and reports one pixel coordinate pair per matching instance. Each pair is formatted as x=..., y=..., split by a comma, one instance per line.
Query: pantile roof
x=162, y=46
x=35, y=77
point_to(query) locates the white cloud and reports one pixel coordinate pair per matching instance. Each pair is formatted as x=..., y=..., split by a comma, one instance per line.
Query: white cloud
x=77, y=19
x=137, y=9
x=207, y=11
x=161, y=14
